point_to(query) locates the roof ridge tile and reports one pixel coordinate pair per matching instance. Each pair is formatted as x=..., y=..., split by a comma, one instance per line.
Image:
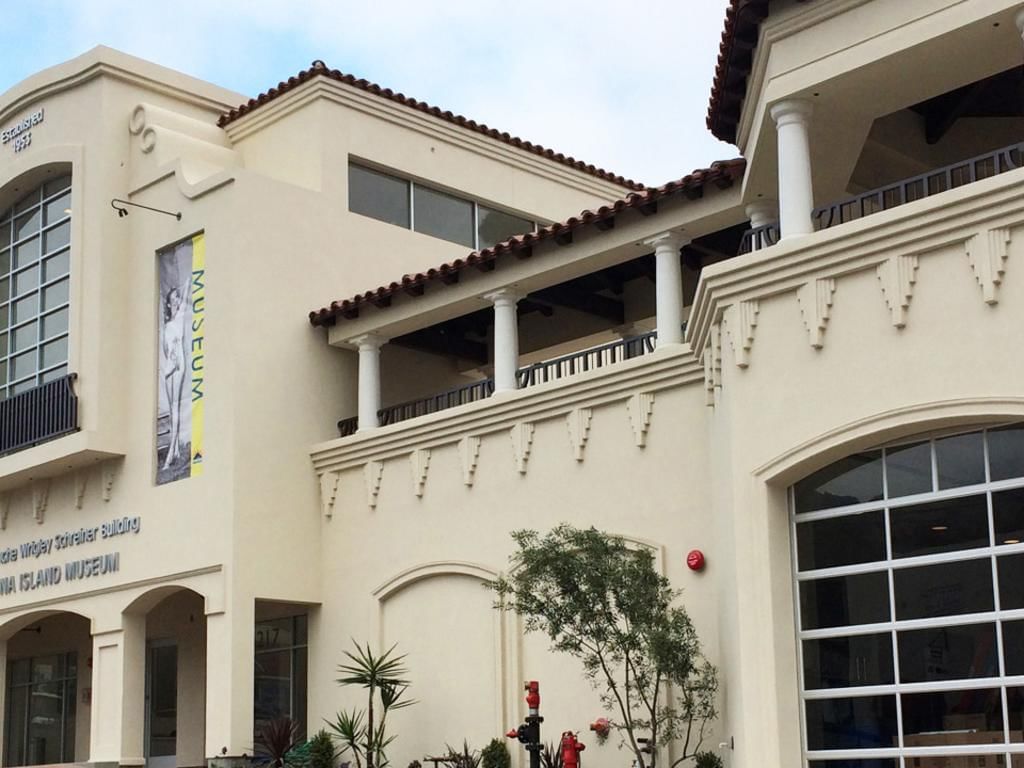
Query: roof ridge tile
x=320, y=69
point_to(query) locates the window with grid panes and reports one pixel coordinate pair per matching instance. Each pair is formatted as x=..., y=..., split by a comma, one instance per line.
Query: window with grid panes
x=39, y=726
x=909, y=569
x=35, y=261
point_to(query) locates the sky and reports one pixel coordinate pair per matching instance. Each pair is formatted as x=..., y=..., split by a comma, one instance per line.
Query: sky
x=621, y=85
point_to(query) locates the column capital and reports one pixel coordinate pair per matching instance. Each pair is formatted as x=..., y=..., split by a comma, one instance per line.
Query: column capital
x=369, y=341
x=670, y=239
x=504, y=296
x=792, y=111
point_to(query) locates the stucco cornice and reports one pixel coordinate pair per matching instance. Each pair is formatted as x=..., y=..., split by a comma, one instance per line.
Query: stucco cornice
x=106, y=62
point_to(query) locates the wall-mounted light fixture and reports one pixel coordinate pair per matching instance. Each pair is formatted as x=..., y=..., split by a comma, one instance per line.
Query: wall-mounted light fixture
x=118, y=205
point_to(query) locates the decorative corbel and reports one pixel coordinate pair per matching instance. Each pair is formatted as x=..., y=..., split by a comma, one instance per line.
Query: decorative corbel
x=987, y=253
x=640, y=407
x=372, y=473
x=40, y=498
x=328, y=492
x=522, y=442
x=815, y=300
x=469, y=455
x=419, y=461
x=896, y=276
x=578, y=423
x=742, y=321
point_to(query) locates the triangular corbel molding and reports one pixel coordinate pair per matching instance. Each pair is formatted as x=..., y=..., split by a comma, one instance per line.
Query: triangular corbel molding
x=815, y=301
x=372, y=473
x=40, y=498
x=640, y=407
x=896, y=276
x=741, y=319
x=522, y=443
x=469, y=455
x=107, y=479
x=713, y=361
x=419, y=461
x=987, y=253
x=578, y=424
x=328, y=492
x=81, y=481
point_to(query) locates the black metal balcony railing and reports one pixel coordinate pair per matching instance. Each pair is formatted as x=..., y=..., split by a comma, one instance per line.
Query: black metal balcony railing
x=538, y=373
x=918, y=187
x=40, y=414
x=898, y=193
x=759, y=237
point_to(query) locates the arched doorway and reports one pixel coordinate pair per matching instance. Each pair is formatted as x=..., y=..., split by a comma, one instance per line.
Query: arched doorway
x=48, y=689
x=175, y=677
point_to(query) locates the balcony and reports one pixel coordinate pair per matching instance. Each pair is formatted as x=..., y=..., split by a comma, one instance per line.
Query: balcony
x=42, y=413
x=542, y=372
x=918, y=187
x=41, y=436
x=895, y=194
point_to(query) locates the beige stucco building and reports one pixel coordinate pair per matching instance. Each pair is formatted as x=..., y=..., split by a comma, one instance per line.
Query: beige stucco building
x=800, y=362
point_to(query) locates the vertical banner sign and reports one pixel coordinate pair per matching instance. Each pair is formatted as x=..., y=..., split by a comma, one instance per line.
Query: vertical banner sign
x=180, y=386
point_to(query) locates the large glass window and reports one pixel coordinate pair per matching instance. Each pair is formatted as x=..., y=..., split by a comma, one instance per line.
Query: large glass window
x=909, y=565
x=440, y=214
x=40, y=720
x=35, y=261
x=281, y=663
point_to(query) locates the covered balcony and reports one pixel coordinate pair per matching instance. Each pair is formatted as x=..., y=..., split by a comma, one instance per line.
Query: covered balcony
x=574, y=303
x=936, y=108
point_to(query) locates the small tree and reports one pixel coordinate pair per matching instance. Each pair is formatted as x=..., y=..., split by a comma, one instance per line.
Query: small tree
x=603, y=602
x=383, y=678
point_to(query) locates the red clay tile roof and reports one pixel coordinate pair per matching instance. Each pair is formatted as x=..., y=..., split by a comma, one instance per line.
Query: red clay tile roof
x=735, y=58
x=722, y=174
x=320, y=69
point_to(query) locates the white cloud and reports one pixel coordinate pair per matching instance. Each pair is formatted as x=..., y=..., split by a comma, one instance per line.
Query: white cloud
x=622, y=86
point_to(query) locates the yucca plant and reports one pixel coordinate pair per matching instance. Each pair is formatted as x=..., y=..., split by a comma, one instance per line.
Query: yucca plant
x=383, y=678
x=276, y=738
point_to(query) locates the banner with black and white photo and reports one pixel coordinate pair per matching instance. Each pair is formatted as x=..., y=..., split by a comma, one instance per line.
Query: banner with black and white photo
x=180, y=386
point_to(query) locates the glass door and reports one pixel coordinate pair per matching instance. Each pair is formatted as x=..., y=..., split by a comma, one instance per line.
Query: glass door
x=162, y=705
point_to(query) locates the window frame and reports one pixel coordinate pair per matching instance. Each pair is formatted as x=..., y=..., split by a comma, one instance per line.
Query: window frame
x=293, y=650
x=42, y=373
x=69, y=706
x=1012, y=752
x=412, y=185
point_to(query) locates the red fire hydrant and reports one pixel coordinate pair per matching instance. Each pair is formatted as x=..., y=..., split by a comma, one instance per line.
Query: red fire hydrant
x=571, y=749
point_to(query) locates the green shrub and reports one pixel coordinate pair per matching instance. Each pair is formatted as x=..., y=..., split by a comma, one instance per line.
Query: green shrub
x=708, y=760
x=495, y=755
x=321, y=750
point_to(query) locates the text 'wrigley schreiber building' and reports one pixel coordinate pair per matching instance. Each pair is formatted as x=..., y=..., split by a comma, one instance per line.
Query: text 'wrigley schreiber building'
x=312, y=408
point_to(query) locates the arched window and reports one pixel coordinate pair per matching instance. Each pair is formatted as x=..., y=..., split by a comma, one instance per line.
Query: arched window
x=909, y=569
x=35, y=262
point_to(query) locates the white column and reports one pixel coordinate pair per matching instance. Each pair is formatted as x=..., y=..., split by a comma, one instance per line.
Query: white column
x=1020, y=22
x=117, y=725
x=762, y=213
x=369, y=379
x=506, y=339
x=668, y=286
x=796, y=194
